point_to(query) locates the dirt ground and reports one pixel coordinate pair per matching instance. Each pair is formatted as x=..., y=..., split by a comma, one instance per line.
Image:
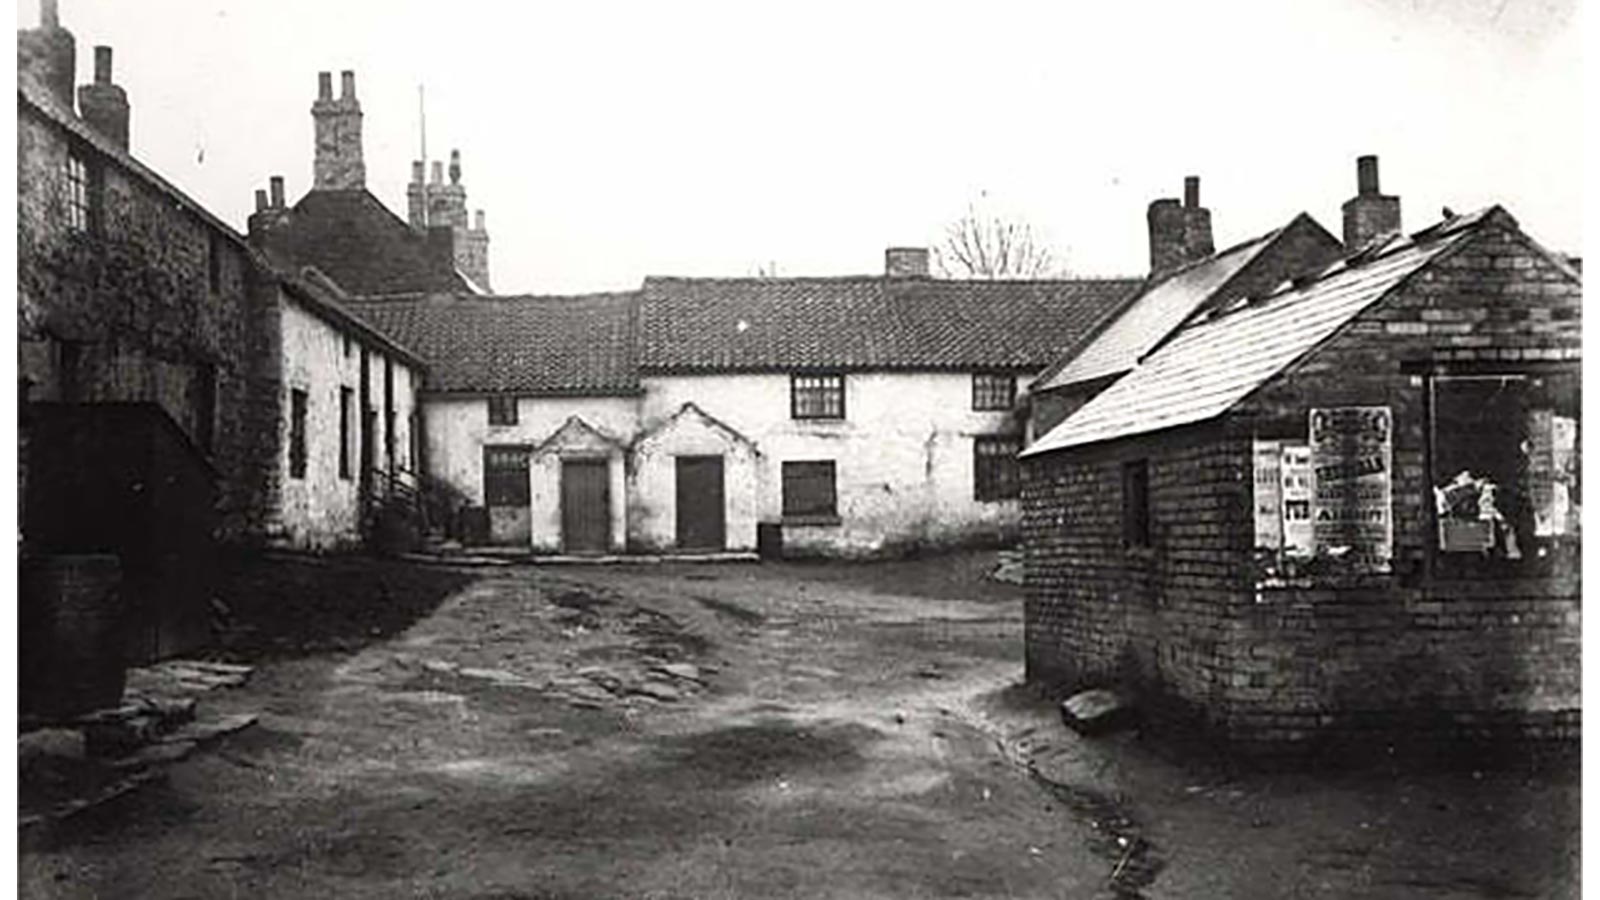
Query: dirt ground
x=838, y=730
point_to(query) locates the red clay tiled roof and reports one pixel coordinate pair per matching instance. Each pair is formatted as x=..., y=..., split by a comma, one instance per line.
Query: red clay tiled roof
x=865, y=322
x=540, y=346
x=359, y=243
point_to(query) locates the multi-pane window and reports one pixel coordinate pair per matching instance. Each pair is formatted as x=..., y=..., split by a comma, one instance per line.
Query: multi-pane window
x=297, y=433
x=996, y=473
x=808, y=490
x=816, y=396
x=503, y=409
x=505, y=476
x=80, y=194
x=1505, y=467
x=1136, y=503
x=346, y=411
x=992, y=391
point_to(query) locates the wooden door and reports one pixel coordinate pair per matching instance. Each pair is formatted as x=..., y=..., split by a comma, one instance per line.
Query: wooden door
x=585, y=505
x=701, y=511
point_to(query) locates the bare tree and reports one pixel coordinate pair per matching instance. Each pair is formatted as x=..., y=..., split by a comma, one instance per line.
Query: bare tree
x=985, y=245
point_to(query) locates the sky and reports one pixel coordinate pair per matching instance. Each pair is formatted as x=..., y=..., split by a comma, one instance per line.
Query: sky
x=608, y=141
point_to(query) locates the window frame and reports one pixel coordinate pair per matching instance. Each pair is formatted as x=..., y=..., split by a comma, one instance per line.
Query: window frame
x=493, y=493
x=984, y=386
x=498, y=404
x=299, y=439
x=347, y=405
x=791, y=477
x=1136, y=517
x=82, y=192
x=996, y=476
x=822, y=389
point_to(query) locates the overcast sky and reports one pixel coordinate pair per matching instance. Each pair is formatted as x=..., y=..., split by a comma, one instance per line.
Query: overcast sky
x=609, y=141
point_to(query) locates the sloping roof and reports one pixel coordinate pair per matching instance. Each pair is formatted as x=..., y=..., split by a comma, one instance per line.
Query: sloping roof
x=549, y=346
x=865, y=322
x=325, y=298
x=1217, y=361
x=358, y=242
x=1150, y=316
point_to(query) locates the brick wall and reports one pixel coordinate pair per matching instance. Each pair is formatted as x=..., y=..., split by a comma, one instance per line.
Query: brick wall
x=1422, y=657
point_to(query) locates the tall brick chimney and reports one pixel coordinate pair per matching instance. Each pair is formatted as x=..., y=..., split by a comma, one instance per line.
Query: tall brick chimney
x=48, y=54
x=447, y=208
x=1180, y=232
x=338, y=165
x=271, y=208
x=103, y=104
x=417, y=198
x=905, y=262
x=1369, y=214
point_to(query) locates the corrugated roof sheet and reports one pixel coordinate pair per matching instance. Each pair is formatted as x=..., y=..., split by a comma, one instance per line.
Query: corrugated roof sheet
x=868, y=322
x=362, y=245
x=552, y=346
x=1152, y=316
x=1212, y=364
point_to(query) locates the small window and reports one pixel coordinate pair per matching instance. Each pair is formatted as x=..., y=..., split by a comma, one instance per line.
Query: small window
x=505, y=476
x=816, y=396
x=996, y=472
x=346, y=411
x=297, y=433
x=346, y=339
x=503, y=410
x=808, y=490
x=80, y=194
x=993, y=392
x=1136, y=503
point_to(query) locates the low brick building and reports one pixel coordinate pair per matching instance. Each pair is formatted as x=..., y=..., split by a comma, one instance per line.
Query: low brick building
x=1338, y=514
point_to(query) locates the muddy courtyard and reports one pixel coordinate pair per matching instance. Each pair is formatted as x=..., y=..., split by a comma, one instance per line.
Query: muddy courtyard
x=742, y=730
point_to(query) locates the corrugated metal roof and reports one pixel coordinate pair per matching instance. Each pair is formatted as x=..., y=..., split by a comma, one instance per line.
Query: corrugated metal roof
x=1212, y=364
x=1153, y=315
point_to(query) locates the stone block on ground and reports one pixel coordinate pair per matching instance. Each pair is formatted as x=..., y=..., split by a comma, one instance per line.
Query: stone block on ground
x=1097, y=711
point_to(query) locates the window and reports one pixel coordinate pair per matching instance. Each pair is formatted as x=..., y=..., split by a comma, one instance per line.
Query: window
x=505, y=476
x=346, y=410
x=503, y=410
x=808, y=490
x=297, y=433
x=816, y=397
x=1136, y=503
x=996, y=473
x=993, y=392
x=80, y=194
x=1504, y=466
x=388, y=414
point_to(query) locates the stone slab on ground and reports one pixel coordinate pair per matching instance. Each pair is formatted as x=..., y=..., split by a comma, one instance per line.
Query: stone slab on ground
x=1097, y=711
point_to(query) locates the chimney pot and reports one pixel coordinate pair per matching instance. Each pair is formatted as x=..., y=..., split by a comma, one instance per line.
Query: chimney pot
x=905, y=262
x=477, y=221
x=277, y=191
x=1367, y=175
x=102, y=65
x=261, y=199
x=324, y=85
x=347, y=85
x=1369, y=214
x=438, y=172
x=416, y=171
x=49, y=14
x=1191, y=191
x=455, y=166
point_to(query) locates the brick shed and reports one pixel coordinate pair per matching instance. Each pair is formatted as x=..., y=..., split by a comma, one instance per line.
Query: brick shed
x=1342, y=516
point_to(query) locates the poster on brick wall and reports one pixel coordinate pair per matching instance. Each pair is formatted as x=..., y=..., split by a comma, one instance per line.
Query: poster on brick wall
x=1268, y=494
x=1351, y=507
x=1298, y=539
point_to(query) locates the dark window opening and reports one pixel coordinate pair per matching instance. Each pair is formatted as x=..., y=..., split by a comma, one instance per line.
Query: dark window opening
x=80, y=194
x=297, y=433
x=347, y=404
x=996, y=472
x=69, y=364
x=1505, y=460
x=388, y=413
x=503, y=410
x=809, y=490
x=816, y=397
x=1136, y=503
x=993, y=392
x=505, y=476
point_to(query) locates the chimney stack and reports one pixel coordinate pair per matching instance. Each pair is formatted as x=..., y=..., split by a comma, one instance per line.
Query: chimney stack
x=338, y=164
x=48, y=54
x=905, y=262
x=1180, y=232
x=1369, y=215
x=103, y=104
x=270, y=210
x=276, y=182
x=261, y=200
x=417, y=197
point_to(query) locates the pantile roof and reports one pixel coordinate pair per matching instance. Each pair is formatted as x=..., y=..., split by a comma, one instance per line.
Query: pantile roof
x=361, y=244
x=865, y=322
x=1211, y=364
x=538, y=346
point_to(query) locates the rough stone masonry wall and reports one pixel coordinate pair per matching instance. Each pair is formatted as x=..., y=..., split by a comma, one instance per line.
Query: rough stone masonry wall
x=1152, y=618
x=136, y=298
x=1422, y=654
